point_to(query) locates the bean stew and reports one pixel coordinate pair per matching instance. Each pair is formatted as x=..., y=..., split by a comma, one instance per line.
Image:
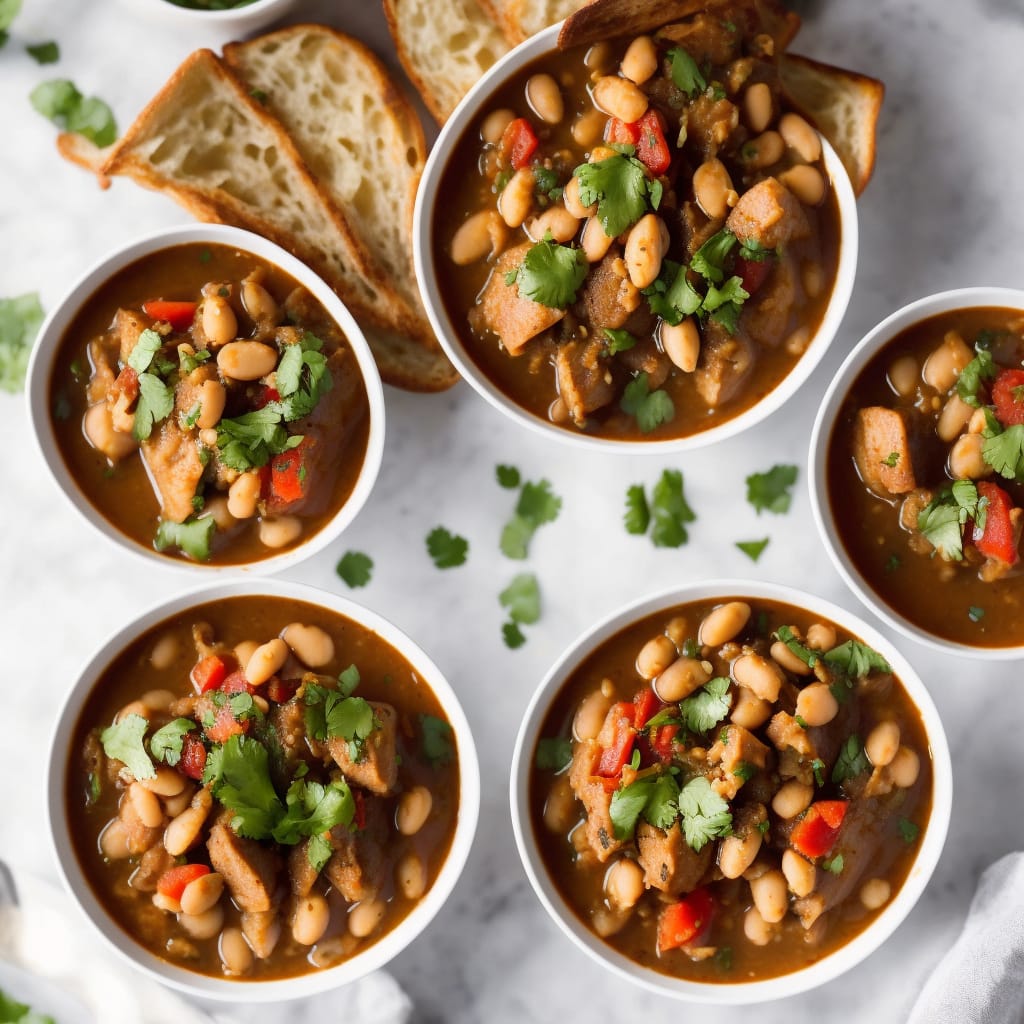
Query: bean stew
x=729, y=791
x=926, y=475
x=638, y=240
x=208, y=406
x=262, y=788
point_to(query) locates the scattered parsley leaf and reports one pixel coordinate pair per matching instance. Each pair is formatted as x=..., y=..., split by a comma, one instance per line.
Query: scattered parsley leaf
x=653, y=796
x=1005, y=452
x=671, y=511
x=685, y=73
x=122, y=741
x=554, y=753
x=981, y=368
x=620, y=187
x=705, y=814
x=851, y=760
x=908, y=830
x=638, y=514
x=709, y=260
x=522, y=599
x=156, y=402
x=551, y=274
x=44, y=53
x=507, y=477
x=703, y=710
x=193, y=536
x=770, y=491
x=448, y=550
x=618, y=341
x=752, y=548
x=834, y=864
x=512, y=635
x=651, y=408
x=856, y=659
x=165, y=743
x=437, y=740
x=536, y=506
x=60, y=102
x=20, y=320
x=355, y=568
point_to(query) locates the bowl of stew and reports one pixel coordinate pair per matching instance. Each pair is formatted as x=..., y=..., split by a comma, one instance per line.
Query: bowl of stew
x=259, y=793
x=730, y=792
x=204, y=400
x=636, y=244
x=917, y=475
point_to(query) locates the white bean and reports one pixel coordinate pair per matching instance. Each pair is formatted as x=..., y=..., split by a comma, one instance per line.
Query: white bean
x=966, y=461
x=713, y=190
x=204, y=925
x=158, y=700
x=620, y=97
x=202, y=893
x=265, y=661
x=166, y=782
x=559, y=806
x=545, y=98
x=758, y=106
x=805, y=182
x=771, y=895
x=820, y=637
x=590, y=715
x=588, y=128
x=413, y=810
x=756, y=928
x=624, y=883
x=235, y=954
x=246, y=360
x=655, y=656
x=681, y=343
x=495, y=124
x=411, y=876
x=788, y=660
x=310, y=920
x=556, y=221
x=640, y=61
x=816, y=705
x=364, y=918
x=516, y=198
x=905, y=768
x=943, y=366
x=165, y=650
x=723, y=623
x=258, y=302
x=99, y=429
x=800, y=136
x=114, y=840
x=792, y=798
x=765, y=150
x=759, y=675
x=571, y=199
x=312, y=645
x=280, y=532
x=482, y=233
x=903, y=375
x=243, y=494
x=800, y=873
x=749, y=710
x=737, y=853
x=680, y=679
x=645, y=248
x=220, y=324
x=955, y=416
x=594, y=242
x=882, y=743
x=212, y=399
x=875, y=893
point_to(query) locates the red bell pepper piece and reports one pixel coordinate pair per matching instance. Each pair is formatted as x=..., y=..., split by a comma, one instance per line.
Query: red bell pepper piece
x=236, y=683
x=999, y=539
x=623, y=133
x=682, y=922
x=651, y=148
x=208, y=673
x=178, y=314
x=193, y=757
x=645, y=704
x=518, y=142
x=616, y=754
x=225, y=725
x=752, y=273
x=127, y=384
x=280, y=691
x=289, y=477
x=1009, y=401
x=815, y=833
x=173, y=882
x=661, y=742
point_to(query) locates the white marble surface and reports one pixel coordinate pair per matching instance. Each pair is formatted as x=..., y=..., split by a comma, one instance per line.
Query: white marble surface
x=944, y=210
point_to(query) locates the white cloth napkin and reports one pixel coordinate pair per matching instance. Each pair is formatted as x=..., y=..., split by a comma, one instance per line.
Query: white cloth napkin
x=981, y=979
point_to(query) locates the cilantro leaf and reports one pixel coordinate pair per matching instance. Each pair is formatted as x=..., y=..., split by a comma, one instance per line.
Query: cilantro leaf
x=619, y=341
x=709, y=259
x=313, y=808
x=318, y=852
x=515, y=537
x=651, y=408
x=20, y=320
x=436, y=737
x=507, y=477
x=551, y=274
x=348, y=680
x=852, y=760
x=522, y=599
x=355, y=568
x=805, y=654
x=705, y=814
x=448, y=550
x=249, y=441
x=818, y=767
x=122, y=741
x=671, y=511
x=1005, y=452
x=620, y=187
x=44, y=53
x=653, y=796
x=672, y=297
x=943, y=520
x=241, y=782
x=975, y=614
x=156, y=401
x=685, y=73
x=908, y=830
x=512, y=635
x=981, y=368
x=834, y=864
x=8, y=12
x=62, y=103
x=331, y=715
x=771, y=490
x=726, y=303
x=144, y=349
x=11, y=1011
x=193, y=536
x=536, y=506
x=753, y=548
x=703, y=710
x=638, y=514
x=754, y=252
x=856, y=659
x=554, y=753
x=165, y=743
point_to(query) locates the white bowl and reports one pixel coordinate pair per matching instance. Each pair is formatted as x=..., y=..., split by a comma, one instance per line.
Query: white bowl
x=932, y=836
x=241, y=991
x=427, y=197
x=872, y=343
x=55, y=325
x=232, y=22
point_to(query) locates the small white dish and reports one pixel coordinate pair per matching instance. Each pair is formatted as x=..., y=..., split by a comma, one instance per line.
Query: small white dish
x=231, y=22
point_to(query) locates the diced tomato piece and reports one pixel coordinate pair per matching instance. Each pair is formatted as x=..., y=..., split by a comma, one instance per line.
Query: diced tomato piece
x=752, y=272
x=999, y=539
x=193, y=757
x=225, y=725
x=682, y=922
x=281, y=690
x=208, y=673
x=622, y=132
x=264, y=395
x=645, y=704
x=815, y=833
x=661, y=741
x=173, y=882
x=127, y=384
x=178, y=314
x=651, y=148
x=518, y=142
x=1008, y=400
x=289, y=477
x=236, y=683
x=616, y=754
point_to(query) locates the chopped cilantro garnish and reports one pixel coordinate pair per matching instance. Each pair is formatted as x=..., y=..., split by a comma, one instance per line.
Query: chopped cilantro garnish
x=302, y=378
x=551, y=274
x=943, y=519
x=851, y=760
x=512, y=635
x=818, y=767
x=908, y=830
x=355, y=568
x=891, y=459
x=638, y=514
x=313, y=808
x=671, y=511
x=703, y=710
x=892, y=563
x=709, y=259
x=331, y=715
x=752, y=548
x=553, y=753
x=685, y=73
x=620, y=187
x=20, y=320
x=188, y=361
x=651, y=408
x=979, y=369
x=1005, y=452
x=805, y=654
x=833, y=864
x=619, y=341
x=654, y=796
x=536, y=506
x=60, y=102
x=165, y=743
x=44, y=53
x=318, y=852
x=193, y=536
x=746, y=771
x=437, y=740
x=856, y=659
x=672, y=297
x=11, y=1011
x=754, y=252
x=507, y=476
x=975, y=614
x=348, y=680
x=250, y=441
x=522, y=599
x=800, y=720
x=122, y=741
x=705, y=814
x=156, y=401
x=771, y=490
x=448, y=550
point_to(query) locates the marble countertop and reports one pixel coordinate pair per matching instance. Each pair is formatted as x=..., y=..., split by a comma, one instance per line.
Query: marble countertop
x=943, y=211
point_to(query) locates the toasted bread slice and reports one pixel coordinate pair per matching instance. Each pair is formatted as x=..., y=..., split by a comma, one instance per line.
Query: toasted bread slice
x=85, y=153
x=444, y=46
x=520, y=19
x=843, y=104
x=606, y=19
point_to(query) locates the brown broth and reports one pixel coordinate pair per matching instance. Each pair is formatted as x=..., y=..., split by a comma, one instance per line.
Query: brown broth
x=581, y=883
x=124, y=494
x=936, y=595
x=385, y=675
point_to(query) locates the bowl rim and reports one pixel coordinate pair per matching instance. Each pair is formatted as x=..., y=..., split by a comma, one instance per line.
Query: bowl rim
x=62, y=314
x=257, y=12
x=824, y=422
x=426, y=273
x=831, y=966
x=241, y=990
